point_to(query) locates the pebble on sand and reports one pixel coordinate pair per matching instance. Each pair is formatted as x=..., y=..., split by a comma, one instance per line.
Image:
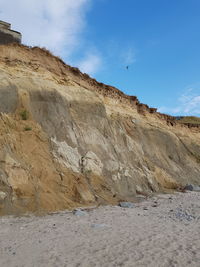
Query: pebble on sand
x=126, y=204
x=79, y=212
x=191, y=187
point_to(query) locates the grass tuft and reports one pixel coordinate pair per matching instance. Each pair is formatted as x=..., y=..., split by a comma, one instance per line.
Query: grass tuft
x=24, y=115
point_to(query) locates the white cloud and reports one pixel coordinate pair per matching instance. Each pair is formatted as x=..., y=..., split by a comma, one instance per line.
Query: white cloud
x=57, y=25
x=188, y=103
x=90, y=64
x=54, y=24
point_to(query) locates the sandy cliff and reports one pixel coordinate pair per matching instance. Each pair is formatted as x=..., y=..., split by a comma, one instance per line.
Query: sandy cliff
x=67, y=140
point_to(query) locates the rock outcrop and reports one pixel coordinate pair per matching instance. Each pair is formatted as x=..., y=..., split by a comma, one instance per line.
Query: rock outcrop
x=67, y=140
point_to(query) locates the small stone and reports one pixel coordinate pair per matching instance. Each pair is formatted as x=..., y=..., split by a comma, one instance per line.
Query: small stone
x=189, y=187
x=126, y=204
x=196, y=188
x=145, y=208
x=79, y=212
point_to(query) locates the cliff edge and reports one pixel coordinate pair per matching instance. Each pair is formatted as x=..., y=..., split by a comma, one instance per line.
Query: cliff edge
x=67, y=140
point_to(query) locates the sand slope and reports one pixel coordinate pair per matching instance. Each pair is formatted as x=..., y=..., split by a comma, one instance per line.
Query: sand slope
x=162, y=231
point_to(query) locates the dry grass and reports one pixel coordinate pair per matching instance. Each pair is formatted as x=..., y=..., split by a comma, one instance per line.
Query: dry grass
x=190, y=119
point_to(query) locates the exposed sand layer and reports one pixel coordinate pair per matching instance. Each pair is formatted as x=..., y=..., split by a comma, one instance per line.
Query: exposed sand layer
x=67, y=140
x=161, y=231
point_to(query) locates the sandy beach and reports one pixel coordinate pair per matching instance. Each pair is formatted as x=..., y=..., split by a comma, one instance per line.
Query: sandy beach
x=160, y=231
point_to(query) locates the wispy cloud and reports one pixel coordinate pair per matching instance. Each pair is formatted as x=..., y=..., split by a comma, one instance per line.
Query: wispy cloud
x=91, y=63
x=188, y=103
x=55, y=24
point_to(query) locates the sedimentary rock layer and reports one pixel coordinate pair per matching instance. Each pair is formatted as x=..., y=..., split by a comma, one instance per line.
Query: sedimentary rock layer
x=67, y=140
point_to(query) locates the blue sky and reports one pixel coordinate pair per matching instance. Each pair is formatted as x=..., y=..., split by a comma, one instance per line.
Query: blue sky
x=158, y=39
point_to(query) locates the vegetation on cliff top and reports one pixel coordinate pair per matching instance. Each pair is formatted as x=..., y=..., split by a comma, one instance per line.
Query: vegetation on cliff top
x=189, y=119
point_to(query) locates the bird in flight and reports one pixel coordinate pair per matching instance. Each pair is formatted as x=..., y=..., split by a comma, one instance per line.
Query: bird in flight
x=127, y=67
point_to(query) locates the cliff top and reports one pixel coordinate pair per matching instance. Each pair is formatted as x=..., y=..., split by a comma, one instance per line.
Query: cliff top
x=36, y=57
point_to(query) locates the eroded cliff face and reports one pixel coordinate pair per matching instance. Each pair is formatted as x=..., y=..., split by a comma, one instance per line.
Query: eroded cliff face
x=67, y=140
